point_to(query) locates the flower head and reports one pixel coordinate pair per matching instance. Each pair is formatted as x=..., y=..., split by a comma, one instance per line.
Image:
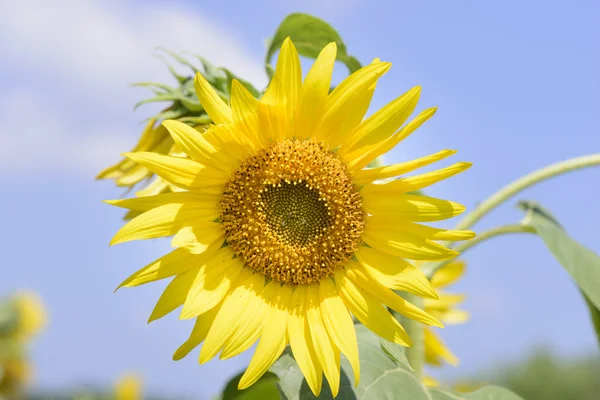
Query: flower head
x=281, y=234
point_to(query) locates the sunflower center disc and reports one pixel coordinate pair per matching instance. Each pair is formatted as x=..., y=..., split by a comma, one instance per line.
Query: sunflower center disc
x=292, y=212
x=295, y=212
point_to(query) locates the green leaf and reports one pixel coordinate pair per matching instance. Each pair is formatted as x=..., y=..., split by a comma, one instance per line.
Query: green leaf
x=264, y=389
x=164, y=87
x=178, y=58
x=382, y=376
x=439, y=394
x=581, y=263
x=491, y=393
x=270, y=70
x=172, y=113
x=310, y=34
x=395, y=351
x=159, y=98
x=231, y=76
x=211, y=73
x=594, y=314
x=180, y=78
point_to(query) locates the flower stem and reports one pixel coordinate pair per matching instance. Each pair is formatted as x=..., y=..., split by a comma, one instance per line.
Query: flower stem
x=506, y=193
x=523, y=183
x=429, y=268
x=415, y=353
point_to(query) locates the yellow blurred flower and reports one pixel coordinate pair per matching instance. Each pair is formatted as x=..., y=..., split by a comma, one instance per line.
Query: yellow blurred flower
x=444, y=309
x=31, y=315
x=129, y=387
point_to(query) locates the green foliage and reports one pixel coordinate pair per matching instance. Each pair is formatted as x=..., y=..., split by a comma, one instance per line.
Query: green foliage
x=485, y=393
x=581, y=263
x=264, y=388
x=310, y=34
x=382, y=373
x=183, y=98
x=542, y=375
x=385, y=374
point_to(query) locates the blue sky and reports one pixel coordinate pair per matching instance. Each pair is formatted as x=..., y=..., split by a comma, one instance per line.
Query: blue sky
x=517, y=88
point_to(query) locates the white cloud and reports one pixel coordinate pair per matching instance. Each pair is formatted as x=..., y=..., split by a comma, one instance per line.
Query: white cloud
x=37, y=138
x=86, y=53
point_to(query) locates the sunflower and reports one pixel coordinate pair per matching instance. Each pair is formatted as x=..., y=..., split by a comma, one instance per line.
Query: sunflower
x=443, y=308
x=281, y=234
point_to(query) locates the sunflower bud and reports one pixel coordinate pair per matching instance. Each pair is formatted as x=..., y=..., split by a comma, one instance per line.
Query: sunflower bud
x=185, y=107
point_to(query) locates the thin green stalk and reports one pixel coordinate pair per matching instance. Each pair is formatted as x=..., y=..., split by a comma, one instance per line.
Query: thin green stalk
x=523, y=183
x=509, y=191
x=430, y=268
x=415, y=353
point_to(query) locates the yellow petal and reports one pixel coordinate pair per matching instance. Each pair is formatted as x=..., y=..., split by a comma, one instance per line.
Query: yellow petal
x=273, y=339
x=214, y=106
x=327, y=352
x=149, y=202
x=176, y=262
x=404, y=244
x=357, y=161
x=157, y=186
x=339, y=325
x=435, y=348
x=448, y=274
x=394, y=272
x=212, y=283
x=245, y=113
x=199, y=332
x=388, y=297
x=196, y=237
x=133, y=176
x=430, y=382
x=229, y=142
x=400, y=228
x=414, y=183
x=174, y=294
x=346, y=103
x=452, y=317
x=225, y=322
x=314, y=91
x=164, y=221
x=181, y=172
x=444, y=302
x=366, y=176
x=412, y=208
x=194, y=144
x=251, y=322
x=285, y=85
x=300, y=342
x=382, y=124
x=273, y=120
x=370, y=312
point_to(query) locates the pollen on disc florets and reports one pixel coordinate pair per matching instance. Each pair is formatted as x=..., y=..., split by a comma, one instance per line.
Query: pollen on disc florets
x=292, y=212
